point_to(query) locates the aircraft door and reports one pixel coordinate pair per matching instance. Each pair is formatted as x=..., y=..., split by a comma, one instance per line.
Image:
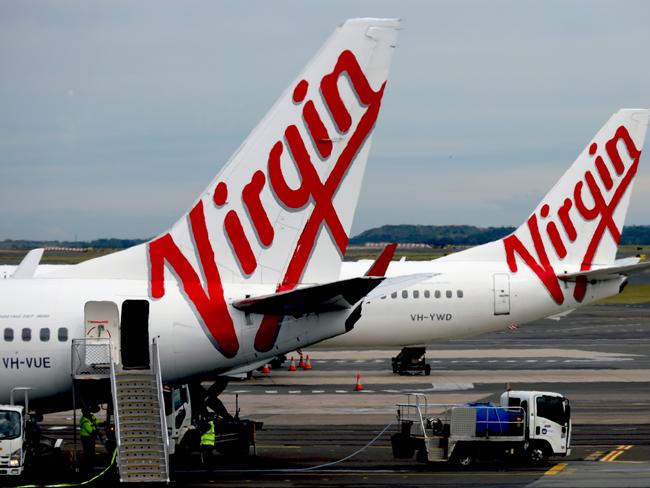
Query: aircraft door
x=501, y=294
x=101, y=321
x=134, y=332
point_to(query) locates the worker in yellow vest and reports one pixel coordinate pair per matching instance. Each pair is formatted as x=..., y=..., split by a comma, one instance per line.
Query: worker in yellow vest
x=207, y=441
x=88, y=432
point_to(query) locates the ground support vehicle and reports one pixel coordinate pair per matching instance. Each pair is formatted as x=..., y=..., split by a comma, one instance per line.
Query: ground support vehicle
x=12, y=439
x=233, y=436
x=411, y=360
x=20, y=440
x=526, y=425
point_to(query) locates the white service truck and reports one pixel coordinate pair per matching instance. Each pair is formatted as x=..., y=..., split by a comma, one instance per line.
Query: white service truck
x=525, y=425
x=20, y=438
x=12, y=439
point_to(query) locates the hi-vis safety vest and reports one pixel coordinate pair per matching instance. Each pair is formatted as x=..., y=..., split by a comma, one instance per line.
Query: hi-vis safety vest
x=87, y=426
x=207, y=439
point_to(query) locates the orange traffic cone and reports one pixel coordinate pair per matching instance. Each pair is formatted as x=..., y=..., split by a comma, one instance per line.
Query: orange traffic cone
x=301, y=363
x=266, y=369
x=307, y=363
x=358, y=386
x=292, y=364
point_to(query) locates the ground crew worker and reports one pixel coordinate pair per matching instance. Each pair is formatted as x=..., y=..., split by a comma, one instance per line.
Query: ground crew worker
x=207, y=441
x=88, y=433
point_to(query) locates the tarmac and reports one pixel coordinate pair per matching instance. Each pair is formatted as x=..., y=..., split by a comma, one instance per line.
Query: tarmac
x=599, y=357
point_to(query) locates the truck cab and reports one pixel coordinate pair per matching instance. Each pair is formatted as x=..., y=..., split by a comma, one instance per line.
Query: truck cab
x=12, y=439
x=548, y=421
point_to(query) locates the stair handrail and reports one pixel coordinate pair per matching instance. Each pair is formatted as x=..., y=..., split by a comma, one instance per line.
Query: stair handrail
x=159, y=388
x=116, y=414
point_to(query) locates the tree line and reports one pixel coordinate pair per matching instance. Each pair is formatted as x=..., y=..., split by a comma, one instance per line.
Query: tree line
x=434, y=235
x=467, y=235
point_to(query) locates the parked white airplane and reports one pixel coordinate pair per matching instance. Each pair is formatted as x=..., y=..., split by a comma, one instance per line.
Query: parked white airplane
x=562, y=257
x=219, y=289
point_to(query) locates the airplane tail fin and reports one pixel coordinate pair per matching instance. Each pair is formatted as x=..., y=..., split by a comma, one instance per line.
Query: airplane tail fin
x=578, y=224
x=281, y=209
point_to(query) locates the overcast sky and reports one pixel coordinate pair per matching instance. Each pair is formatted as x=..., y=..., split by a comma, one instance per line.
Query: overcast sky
x=115, y=115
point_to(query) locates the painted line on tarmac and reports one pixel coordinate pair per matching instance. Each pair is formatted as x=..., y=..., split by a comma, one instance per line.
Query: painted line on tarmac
x=594, y=456
x=297, y=472
x=555, y=469
x=277, y=446
x=612, y=455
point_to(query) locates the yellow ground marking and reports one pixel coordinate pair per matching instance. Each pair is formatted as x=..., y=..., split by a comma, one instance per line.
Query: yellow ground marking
x=556, y=469
x=594, y=455
x=417, y=474
x=612, y=455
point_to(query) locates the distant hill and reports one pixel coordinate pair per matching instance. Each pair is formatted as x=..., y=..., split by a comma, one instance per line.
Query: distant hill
x=466, y=235
x=435, y=235
x=110, y=243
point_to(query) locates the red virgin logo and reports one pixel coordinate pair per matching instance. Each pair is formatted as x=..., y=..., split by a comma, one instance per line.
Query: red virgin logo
x=209, y=302
x=601, y=211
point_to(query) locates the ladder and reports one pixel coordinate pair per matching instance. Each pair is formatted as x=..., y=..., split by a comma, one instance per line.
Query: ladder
x=140, y=422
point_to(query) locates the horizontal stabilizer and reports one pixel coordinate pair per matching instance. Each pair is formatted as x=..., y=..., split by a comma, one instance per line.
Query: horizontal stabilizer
x=329, y=297
x=27, y=267
x=338, y=295
x=559, y=316
x=618, y=268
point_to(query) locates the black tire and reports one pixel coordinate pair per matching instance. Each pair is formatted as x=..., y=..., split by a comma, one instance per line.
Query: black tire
x=427, y=370
x=421, y=456
x=537, y=455
x=402, y=446
x=464, y=459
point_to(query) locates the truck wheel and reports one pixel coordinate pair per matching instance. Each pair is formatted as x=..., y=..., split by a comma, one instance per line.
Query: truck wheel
x=427, y=369
x=421, y=456
x=537, y=455
x=464, y=459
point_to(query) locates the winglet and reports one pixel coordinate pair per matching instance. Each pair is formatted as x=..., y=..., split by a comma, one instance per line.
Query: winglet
x=27, y=267
x=380, y=265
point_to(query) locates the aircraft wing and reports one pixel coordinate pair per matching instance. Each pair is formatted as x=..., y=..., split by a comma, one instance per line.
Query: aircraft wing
x=328, y=297
x=618, y=268
x=27, y=267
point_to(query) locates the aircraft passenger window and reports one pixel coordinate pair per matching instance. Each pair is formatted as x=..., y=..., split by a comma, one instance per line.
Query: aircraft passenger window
x=437, y=293
x=63, y=334
x=393, y=295
x=45, y=334
x=449, y=294
x=459, y=293
x=27, y=335
x=427, y=294
x=9, y=335
x=416, y=294
x=405, y=294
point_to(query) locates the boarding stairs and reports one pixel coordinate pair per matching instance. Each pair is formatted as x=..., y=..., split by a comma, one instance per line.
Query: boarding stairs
x=140, y=422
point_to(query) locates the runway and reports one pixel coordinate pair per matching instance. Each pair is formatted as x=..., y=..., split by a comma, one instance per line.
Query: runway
x=598, y=357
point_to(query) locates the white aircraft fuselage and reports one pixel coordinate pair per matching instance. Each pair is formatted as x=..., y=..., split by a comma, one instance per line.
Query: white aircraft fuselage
x=460, y=301
x=53, y=304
